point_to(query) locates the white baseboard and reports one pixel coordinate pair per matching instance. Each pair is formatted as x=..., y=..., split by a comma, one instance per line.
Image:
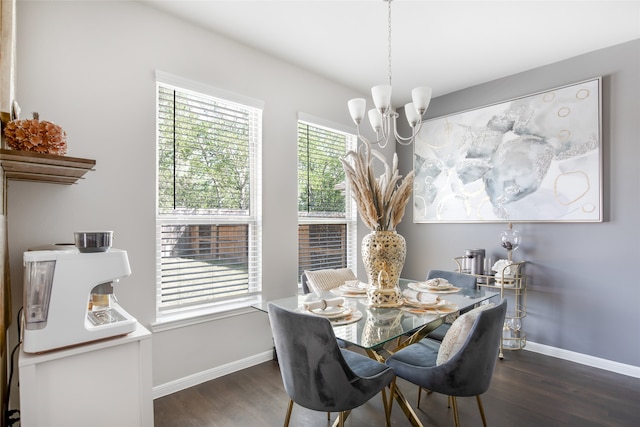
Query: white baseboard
x=210, y=374
x=200, y=377
x=584, y=359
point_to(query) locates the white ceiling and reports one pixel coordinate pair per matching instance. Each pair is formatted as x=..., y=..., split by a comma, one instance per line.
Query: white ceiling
x=448, y=45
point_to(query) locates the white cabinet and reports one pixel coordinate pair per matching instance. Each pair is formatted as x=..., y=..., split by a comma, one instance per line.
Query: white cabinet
x=106, y=383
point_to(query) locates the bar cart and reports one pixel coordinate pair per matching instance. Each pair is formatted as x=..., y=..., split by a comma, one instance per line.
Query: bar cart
x=512, y=283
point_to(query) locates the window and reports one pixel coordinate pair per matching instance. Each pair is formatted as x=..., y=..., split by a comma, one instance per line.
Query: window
x=326, y=212
x=208, y=202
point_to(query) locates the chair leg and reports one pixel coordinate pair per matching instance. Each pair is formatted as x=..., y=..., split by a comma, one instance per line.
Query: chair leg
x=484, y=420
x=328, y=416
x=454, y=403
x=341, y=419
x=389, y=405
x=288, y=417
x=419, y=396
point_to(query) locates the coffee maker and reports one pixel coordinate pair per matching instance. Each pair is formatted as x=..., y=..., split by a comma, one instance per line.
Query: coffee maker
x=69, y=299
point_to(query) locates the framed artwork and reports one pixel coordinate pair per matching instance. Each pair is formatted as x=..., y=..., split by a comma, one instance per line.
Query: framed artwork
x=537, y=158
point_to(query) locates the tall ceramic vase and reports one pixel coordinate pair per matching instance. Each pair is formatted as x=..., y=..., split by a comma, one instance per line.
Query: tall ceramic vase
x=383, y=250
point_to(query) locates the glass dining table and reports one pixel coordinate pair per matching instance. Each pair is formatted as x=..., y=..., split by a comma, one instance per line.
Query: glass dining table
x=382, y=331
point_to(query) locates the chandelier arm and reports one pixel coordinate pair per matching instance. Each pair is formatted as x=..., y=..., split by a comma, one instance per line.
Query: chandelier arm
x=379, y=140
x=408, y=140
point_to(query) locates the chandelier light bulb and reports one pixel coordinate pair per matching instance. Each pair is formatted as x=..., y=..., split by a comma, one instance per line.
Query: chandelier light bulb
x=381, y=95
x=375, y=118
x=357, y=107
x=421, y=97
x=413, y=117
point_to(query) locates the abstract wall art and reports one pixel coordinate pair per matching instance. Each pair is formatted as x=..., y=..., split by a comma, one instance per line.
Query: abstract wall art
x=537, y=158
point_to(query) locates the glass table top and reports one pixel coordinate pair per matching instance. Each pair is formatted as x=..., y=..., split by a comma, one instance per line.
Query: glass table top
x=376, y=326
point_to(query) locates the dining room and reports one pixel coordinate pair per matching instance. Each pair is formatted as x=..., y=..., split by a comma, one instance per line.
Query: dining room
x=80, y=65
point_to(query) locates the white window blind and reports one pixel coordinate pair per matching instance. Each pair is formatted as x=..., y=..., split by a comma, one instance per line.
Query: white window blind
x=208, y=204
x=326, y=215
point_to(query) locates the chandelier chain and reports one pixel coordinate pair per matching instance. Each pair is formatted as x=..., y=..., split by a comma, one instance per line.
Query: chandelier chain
x=389, y=40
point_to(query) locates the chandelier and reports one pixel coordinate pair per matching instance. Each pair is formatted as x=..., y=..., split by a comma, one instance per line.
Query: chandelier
x=383, y=116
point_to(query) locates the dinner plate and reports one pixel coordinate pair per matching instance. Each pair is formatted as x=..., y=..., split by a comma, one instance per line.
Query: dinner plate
x=352, y=317
x=425, y=286
x=438, y=290
x=360, y=288
x=331, y=312
x=347, y=294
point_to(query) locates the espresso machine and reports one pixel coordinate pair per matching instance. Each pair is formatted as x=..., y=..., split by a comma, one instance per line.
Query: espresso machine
x=69, y=298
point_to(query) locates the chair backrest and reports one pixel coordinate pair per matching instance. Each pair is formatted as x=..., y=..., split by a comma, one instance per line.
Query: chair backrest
x=459, y=280
x=314, y=372
x=305, y=283
x=319, y=281
x=469, y=371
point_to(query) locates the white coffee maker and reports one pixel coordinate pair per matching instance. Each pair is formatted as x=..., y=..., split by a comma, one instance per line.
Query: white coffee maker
x=69, y=299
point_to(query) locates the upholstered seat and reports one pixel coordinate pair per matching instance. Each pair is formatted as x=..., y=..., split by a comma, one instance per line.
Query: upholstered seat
x=459, y=280
x=463, y=363
x=316, y=373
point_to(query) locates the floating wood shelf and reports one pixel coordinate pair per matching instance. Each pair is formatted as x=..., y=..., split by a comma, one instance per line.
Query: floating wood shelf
x=28, y=166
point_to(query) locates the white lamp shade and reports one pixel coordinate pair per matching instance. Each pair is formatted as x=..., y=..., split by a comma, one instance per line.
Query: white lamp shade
x=382, y=97
x=375, y=119
x=412, y=115
x=421, y=97
x=357, y=107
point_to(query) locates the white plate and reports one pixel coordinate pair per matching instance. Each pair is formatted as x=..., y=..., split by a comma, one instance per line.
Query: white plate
x=438, y=290
x=349, y=318
x=423, y=286
x=360, y=288
x=331, y=312
x=347, y=294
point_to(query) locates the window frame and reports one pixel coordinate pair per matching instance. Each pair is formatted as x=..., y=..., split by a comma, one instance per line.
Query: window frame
x=214, y=307
x=350, y=215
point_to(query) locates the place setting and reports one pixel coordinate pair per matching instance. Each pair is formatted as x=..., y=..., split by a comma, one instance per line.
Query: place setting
x=351, y=289
x=435, y=286
x=424, y=302
x=333, y=309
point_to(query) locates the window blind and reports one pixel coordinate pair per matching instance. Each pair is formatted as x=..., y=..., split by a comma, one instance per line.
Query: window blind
x=207, y=199
x=326, y=215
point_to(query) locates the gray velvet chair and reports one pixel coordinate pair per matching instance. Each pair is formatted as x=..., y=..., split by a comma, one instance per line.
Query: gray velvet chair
x=305, y=284
x=317, y=374
x=467, y=372
x=458, y=280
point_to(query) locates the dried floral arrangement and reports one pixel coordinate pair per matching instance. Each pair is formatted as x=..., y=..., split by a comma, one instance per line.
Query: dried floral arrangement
x=381, y=201
x=36, y=135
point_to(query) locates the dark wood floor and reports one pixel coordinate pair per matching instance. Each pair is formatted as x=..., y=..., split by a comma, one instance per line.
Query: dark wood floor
x=528, y=389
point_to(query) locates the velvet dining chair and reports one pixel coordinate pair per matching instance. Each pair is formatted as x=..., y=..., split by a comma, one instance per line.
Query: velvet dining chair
x=459, y=280
x=462, y=364
x=319, y=375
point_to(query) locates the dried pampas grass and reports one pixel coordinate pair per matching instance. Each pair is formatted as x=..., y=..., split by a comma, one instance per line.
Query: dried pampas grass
x=381, y=201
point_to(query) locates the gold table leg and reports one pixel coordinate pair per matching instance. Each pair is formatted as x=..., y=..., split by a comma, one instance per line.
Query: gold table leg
x=375, y=354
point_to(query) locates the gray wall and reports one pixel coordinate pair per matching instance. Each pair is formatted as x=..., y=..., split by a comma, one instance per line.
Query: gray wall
x=583, y=289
